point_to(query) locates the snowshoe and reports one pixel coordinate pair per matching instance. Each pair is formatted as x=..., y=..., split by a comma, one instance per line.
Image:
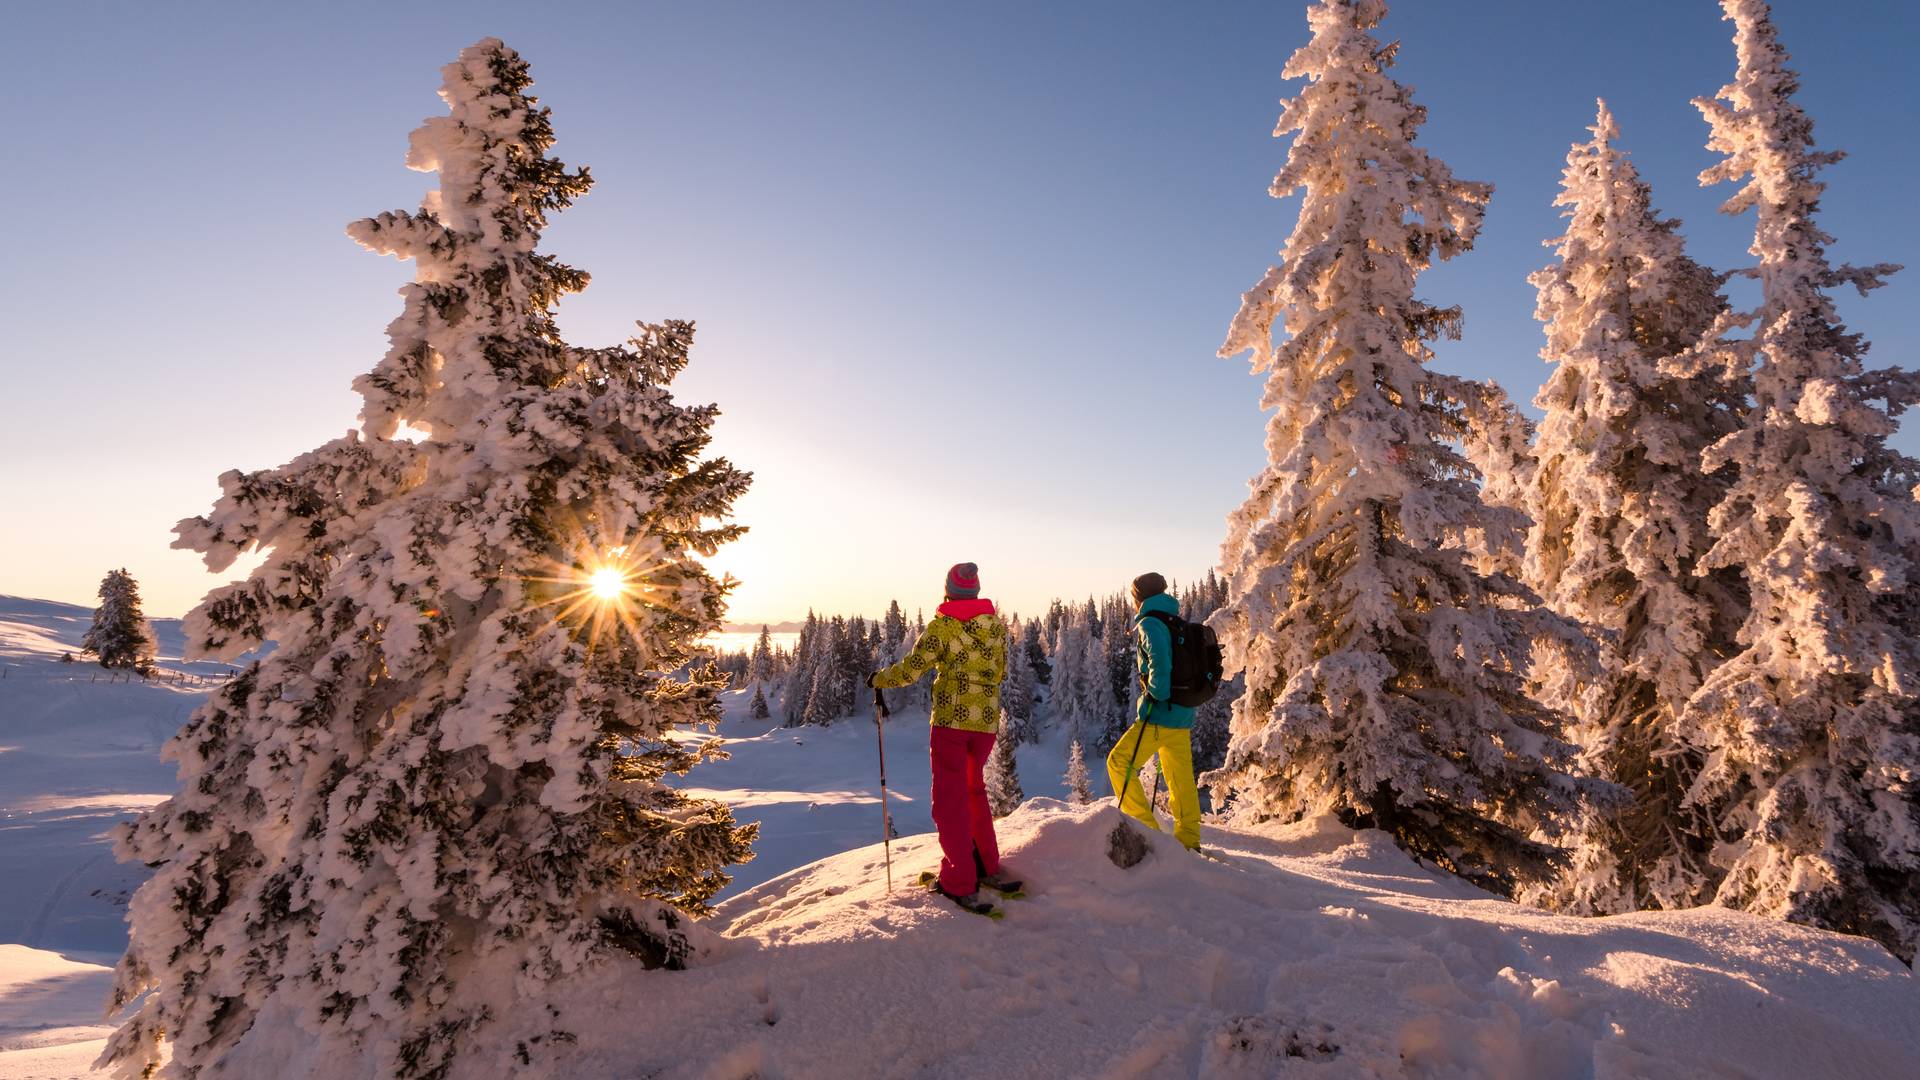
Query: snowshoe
x=1008, y=889
x=971, y=904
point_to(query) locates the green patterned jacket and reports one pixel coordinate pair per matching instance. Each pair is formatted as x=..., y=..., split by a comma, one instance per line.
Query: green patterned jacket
x=966, y=644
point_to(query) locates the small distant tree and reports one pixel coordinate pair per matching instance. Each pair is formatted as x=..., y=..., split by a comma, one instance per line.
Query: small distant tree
x=757, y=708
x=1079, y=784
x=1003, y=775
x=120, y=636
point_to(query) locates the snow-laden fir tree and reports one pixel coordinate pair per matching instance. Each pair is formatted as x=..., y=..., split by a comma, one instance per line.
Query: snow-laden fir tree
x=1079, y=783
x=119, y=635
x=893, y=629
x=1812, y=730
x=1385, y=675
x=1032, y=642
x=799, y=682
x=1003, y=773
x=448, y=773
x=1016, y=697
x=757, y=708
x=1619, y=506
x=761, y=664
x=1117, y=644
x=1080, y=698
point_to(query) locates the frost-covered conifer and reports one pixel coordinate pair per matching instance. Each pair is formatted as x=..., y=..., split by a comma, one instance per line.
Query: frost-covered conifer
x=1812, y=731
x=1117, y=645
x=831, y=695
x=1619, y=505
x=1016, y=697
x=448, y=773
x=757, y=708
x=893, y=629
x=1082, y=700
x=799, y=683
x=119, y=636
x=1003, y=774
x=1079, y=784
x=1033, y=644
x=1385, y=675
x=760, y=665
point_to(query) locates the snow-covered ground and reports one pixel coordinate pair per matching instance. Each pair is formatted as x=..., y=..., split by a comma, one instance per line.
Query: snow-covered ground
x=79, y=750
x=1309, y=950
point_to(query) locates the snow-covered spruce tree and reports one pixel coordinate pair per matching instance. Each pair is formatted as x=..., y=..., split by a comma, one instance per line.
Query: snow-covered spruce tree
x=1079, y=783
x=1619, y=505
x=119, y=636
x=1811, y=731
x=757, y=708
x=1016, y=697
x=1385, y=675
x=760, y=665
x=451, y=763
x=799, y=682
x=1003, y=774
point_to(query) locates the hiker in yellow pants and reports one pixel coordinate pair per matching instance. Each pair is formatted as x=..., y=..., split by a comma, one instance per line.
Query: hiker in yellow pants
x=1160, y=727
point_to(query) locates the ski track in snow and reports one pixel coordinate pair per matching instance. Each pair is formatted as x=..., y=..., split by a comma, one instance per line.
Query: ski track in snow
x=1294, y=952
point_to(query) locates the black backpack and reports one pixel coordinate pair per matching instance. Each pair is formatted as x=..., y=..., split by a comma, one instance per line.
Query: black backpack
x=1198, y=663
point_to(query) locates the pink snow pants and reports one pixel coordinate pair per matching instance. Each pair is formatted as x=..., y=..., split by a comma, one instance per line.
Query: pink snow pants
x=960, y=810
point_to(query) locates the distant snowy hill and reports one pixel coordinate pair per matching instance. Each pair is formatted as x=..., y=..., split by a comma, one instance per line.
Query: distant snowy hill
x=1311, y=950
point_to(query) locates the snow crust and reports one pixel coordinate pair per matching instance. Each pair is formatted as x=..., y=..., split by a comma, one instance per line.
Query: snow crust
x=1303, y=950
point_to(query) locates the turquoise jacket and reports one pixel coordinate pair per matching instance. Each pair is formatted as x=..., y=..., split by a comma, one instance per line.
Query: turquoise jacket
x=1156, y=666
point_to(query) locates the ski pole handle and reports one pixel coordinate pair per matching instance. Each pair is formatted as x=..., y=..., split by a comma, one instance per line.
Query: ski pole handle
x=880, y=704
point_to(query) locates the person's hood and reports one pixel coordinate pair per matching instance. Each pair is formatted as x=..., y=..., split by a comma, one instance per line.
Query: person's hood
x=1161, y=602
x=966, y=609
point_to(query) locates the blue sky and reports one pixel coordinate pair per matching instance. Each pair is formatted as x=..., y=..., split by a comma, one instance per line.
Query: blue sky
x=959, y=271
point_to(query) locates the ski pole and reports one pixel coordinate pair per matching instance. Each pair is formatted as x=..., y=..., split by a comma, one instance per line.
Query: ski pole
x=886, y=816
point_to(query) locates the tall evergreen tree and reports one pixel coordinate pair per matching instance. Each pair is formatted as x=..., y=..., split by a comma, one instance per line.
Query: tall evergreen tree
x=1385, y=675
x=1079, y=783
x=1619, y=504
x=454, y=754
x=1811, y=732
x=1016, y=697
x=893, y=629
x=760, y=666
x=1081, y=699
x=831, y=695
x=800, y=677
x=119, y=635
x=1003, y=774
x=1118, y=651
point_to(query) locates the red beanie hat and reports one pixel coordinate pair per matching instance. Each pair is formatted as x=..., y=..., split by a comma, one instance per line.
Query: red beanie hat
x=963, y=581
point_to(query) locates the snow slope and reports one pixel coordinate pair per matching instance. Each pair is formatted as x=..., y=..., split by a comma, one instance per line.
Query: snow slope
x=79, y=751
x=1310, y=950
x=1304, y=951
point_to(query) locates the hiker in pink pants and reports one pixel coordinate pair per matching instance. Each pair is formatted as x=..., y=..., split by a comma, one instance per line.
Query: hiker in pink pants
x=966, y=647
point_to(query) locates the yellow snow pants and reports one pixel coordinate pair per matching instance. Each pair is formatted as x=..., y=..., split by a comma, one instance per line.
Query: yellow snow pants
x=1175, y=747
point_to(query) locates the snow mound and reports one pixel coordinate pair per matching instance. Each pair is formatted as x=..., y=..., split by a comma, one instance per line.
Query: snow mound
x=1309, y=950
